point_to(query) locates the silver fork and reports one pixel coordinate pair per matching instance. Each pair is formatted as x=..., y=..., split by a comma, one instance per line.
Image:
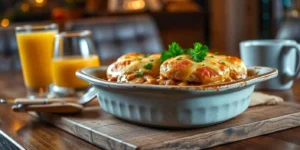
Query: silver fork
x=61, y=107
x=88, y=96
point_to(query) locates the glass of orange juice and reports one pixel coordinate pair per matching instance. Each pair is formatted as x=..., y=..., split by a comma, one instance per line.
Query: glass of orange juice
x=36, y=51
x=72, y=51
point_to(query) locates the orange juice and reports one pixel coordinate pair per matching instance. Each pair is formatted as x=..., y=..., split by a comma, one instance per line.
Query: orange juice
x=64, y=68
x=36, y=50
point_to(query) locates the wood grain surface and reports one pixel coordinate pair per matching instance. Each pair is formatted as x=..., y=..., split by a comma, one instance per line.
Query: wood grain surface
x=32, y=133
x=28, y=131
x=96, y=126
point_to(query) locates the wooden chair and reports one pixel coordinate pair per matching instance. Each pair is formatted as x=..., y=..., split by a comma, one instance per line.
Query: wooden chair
x=114, y=36
x=8, y=50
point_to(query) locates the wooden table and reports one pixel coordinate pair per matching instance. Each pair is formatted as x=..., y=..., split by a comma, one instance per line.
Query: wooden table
x=34, y=134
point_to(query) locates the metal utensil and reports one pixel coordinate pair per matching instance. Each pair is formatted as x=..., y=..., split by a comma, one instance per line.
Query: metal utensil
x=2, y=101
x=35, y=101
x=53, y=107
x=88, y=96
x=7, y=102
x=84, y=99
x=26, y=101
x=62, y=92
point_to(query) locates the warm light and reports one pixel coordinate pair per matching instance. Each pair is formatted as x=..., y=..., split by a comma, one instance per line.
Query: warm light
x=134, y=4
x=41, y=90
x=25, y=7
x=295, y=13
x=39, y=1
x=4, y=22
x=16, y=125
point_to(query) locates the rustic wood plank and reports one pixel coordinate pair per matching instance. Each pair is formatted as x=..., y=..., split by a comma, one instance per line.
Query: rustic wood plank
x=109, y=142
x=252, y=115
x=262, y=142
x=102, y=129
x=33, y=134
x=230, y=134
x=60, y=122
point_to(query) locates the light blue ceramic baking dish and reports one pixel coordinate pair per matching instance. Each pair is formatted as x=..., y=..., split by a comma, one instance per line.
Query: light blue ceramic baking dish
x=175, y=106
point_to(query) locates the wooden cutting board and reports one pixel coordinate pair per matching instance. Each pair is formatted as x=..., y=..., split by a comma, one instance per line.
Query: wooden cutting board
x=102, y=129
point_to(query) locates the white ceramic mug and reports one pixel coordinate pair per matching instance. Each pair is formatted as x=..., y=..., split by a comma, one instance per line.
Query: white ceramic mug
x=281, y=54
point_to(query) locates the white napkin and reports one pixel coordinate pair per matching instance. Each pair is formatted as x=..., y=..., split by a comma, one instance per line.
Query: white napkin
x=259, y=98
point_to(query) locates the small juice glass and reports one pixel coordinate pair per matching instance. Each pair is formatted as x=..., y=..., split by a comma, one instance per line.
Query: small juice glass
x=35, y=45
x=72, y=51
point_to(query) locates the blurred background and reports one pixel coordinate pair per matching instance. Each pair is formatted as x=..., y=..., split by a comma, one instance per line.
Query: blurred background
x=148, y=26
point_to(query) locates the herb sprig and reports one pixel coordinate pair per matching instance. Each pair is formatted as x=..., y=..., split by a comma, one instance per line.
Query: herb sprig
x=198, y=52
x=174, y=50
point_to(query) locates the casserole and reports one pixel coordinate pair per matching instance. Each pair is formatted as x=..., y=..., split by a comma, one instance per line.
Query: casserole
x=175, y=106
x=178, y=70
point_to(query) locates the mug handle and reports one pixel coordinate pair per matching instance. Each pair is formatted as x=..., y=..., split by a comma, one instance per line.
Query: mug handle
x=286, y=76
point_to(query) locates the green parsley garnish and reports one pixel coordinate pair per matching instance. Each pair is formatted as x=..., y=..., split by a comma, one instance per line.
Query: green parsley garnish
x=147, y=55
x=223, y=62
x=174, y=50
x=216, y=53
x=199, y=52
x=165, y=55
x=140, y=73
x=212, y=56
x=152, y=60
x=148, y=66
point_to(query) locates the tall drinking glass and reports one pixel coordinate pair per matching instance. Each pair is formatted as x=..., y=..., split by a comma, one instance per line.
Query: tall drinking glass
x=36, y=50
x=72, y=51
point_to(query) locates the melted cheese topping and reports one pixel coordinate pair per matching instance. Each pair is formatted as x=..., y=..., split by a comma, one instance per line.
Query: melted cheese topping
x=180, y=70
x=214, y=68
x=131, y=66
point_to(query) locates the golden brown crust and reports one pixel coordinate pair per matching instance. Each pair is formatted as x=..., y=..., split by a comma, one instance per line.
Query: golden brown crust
x=214, y=68
x=180, y=70
x=131, y=66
